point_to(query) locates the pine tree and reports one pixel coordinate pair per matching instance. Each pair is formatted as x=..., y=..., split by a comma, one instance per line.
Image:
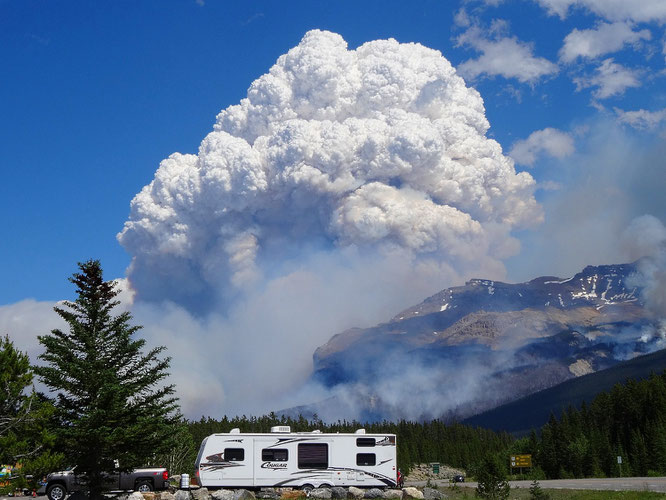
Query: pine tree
x=25, y=417
x=491, y=477
x=111, y=397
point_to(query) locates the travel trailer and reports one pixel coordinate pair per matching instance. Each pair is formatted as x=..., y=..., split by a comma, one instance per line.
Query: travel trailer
x=304, y=460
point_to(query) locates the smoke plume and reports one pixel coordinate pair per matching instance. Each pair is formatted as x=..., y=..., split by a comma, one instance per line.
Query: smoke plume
x=345, y=186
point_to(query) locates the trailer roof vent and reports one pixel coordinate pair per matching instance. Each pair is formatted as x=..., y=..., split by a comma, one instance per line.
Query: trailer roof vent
x=360, y=431
x=235, y=430
x=281, y=429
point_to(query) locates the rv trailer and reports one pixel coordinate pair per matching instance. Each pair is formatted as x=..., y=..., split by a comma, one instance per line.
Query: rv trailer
x=304, y=460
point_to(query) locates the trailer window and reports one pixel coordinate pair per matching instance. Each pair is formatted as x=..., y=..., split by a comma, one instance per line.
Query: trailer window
x=366, y=459
x=312, y=456
x=234, y=454
x=274, y=455
x=365, y=442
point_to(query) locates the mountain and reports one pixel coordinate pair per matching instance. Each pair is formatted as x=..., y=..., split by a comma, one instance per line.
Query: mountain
x=533, y=411
x=471, y=348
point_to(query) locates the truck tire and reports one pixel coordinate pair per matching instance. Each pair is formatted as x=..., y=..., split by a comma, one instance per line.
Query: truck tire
x=56, y=492
x=143, y=486
x=307, y=488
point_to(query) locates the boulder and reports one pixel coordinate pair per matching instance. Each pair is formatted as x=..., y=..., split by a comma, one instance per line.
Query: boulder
x=393, y=494
x=223, y=495
x=373, y=493
x=200, y=494
x=182, y=495
x=149, y=495
x=338, y=492
x=356, y=492
x=167, y=495
x=432, y=494
x=321, y=493
x=244, y=495
x=411, y=493
x=268, y=493
x=135, y=495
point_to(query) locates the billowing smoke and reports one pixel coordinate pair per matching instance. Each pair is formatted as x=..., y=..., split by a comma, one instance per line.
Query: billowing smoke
x=347, y=185
x=645, y=239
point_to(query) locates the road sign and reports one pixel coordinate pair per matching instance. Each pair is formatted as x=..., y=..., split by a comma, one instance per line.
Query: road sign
x=521, y=460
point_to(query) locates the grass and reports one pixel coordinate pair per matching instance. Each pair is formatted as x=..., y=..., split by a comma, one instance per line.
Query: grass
x=457, y=492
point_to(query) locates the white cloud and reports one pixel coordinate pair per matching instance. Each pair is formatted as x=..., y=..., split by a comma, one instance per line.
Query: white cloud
x=613, y=10
x=605, y=38
x=641, y=119
x=503, y=56
x=347, y=184
x=611, y=79
x=551, y=141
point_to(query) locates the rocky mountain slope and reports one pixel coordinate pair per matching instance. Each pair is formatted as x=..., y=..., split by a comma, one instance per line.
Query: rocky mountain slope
x=470, y=348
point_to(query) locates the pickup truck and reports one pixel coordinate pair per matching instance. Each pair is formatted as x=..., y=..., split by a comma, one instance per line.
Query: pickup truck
x=59, y=484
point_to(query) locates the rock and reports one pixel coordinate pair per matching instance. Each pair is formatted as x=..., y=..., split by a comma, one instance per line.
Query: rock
x=243, y=495
x=373, y=493
x=268, y=493
x=149, y=495
x=321, y=493
x=167, y=495
x=338, y=493
x=200, y=494
x=135, y=495
x=223, y=495
x=356, y=492
x=432, y=494
x=412, y=493
x=393, y=494
x=182, y=495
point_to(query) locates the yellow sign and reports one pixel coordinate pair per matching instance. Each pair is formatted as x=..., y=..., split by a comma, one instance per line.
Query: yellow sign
x=521, y=460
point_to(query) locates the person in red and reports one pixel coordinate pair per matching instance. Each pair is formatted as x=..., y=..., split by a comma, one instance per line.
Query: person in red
x=401, y=480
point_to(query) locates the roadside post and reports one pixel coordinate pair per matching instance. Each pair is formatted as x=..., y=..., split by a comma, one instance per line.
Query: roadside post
x=619, y=462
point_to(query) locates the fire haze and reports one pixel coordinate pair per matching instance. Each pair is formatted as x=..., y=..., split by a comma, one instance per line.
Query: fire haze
x=347, y=185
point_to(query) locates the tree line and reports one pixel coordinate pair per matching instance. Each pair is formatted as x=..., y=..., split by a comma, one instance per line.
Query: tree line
x=628, y=422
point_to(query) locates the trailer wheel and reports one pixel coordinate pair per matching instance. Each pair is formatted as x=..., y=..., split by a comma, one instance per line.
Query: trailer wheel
x=143, y=486
x=307, y=488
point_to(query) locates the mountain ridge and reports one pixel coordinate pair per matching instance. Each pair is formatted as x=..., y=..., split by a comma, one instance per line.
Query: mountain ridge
x=467, y=349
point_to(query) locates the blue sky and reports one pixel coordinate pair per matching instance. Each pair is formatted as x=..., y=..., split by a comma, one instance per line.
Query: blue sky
x=94, y=95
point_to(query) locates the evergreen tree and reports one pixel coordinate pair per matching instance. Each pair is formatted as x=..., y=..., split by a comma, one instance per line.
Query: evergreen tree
x=491, y=477
x=25, y=419
x=111, y=397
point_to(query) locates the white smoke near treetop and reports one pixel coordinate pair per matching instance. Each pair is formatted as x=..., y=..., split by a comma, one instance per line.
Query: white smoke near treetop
x=337, y=160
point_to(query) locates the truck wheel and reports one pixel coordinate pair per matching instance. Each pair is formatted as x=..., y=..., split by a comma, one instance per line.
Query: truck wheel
x=143, y=486
x=307, y=488
x=56, y=492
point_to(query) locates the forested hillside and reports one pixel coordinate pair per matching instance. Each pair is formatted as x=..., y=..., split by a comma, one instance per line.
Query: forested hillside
x=628, y=421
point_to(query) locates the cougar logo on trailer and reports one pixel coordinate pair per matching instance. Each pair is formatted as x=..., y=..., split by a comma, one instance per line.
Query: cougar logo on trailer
x=274, y=465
